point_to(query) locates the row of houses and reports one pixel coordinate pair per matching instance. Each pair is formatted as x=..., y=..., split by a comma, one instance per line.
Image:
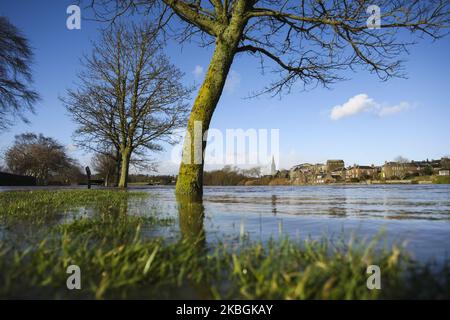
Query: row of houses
x=335, y=171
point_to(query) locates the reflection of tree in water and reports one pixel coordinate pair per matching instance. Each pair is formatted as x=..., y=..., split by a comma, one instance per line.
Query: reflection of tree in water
x=334, y=205
x=274, y=205
x=191, y=213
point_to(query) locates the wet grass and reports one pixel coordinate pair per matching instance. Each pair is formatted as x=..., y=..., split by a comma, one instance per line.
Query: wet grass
x=41, y=207
x=117, y=261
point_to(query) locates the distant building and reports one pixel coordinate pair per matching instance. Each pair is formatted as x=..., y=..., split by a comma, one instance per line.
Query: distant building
x=401, y=170
x=320, y=178
x=299, y=173
x=362, y=172
x=396, y=170
x=284, y=174
x=334, y=171
x=339, y=174
x=305, y=173
x=333, y=165
x=445, y=163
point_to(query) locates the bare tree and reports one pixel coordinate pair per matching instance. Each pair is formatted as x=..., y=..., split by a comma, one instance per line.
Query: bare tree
x=305, y=40
x=15, y=74
x=106, y=166
x=40, y=157
x=401, y=159
x=445, y=162
x=403, y=167
x=130, y=96
x=254, y=172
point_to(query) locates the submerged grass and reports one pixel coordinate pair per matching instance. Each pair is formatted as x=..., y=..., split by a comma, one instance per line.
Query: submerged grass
x=116, y=261
x=39, y=205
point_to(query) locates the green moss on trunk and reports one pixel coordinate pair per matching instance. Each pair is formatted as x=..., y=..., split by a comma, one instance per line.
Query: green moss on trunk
x=190, y=178
x=123, y=181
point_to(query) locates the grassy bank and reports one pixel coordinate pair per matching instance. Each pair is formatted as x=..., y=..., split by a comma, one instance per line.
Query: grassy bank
x=118, y=260
x=441, y=179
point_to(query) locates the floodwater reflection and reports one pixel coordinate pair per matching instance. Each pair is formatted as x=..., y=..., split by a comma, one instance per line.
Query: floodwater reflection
x=417, y=215
x=274, y=204
x=191, y=215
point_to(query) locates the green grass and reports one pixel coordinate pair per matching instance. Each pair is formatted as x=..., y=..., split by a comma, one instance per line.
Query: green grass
x=441, y=179
x=118, y=261
x=37, y=207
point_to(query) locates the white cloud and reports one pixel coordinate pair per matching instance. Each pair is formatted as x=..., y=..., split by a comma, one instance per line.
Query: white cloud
x=359, y=103
x=198, y=71
x=233, y=81
x=363, y=103
x=386, y=111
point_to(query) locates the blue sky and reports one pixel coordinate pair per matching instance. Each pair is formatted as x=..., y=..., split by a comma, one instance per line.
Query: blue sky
x=383, y=120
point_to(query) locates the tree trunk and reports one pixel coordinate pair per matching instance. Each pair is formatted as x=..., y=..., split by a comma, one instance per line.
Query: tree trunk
x=117, y=170
x=107, y=180
x=125, y=161
x=190, y=177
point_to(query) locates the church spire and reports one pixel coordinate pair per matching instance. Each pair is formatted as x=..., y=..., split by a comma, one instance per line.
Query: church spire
x=273, y=168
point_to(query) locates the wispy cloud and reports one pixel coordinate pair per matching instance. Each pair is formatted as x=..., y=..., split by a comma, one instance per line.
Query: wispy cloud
x=386, y=111
x=363, y=103
x=198, y=71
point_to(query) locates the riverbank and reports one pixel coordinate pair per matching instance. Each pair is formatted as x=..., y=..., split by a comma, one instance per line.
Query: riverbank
x=276, y=181
x=42, y=233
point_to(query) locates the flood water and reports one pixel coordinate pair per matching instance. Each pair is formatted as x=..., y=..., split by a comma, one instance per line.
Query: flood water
x=417, y=216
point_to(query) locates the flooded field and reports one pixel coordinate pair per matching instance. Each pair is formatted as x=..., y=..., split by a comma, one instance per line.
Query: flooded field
x=239, y=242
x=415, y=215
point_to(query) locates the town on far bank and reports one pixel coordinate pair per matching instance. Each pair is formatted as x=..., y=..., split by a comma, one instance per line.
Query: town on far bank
x=401, y=171
x=335, y=171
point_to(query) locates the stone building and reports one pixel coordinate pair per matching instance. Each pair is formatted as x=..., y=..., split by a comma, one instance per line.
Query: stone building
x=402, y=170
x=362, y=172
x=332, y=171
x=333, y=165
x=302, y=173
x=307, y=173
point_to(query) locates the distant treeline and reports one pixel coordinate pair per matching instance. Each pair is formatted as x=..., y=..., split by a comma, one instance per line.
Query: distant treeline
x=227, y=176
x=231, y=176
x=151, y=179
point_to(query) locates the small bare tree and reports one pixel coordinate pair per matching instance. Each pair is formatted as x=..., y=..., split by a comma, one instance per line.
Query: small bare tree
x=106, y=166
x=403, y=165
x=305, y=40
x=130, y=96
x=16, y=56
x=401, y=159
